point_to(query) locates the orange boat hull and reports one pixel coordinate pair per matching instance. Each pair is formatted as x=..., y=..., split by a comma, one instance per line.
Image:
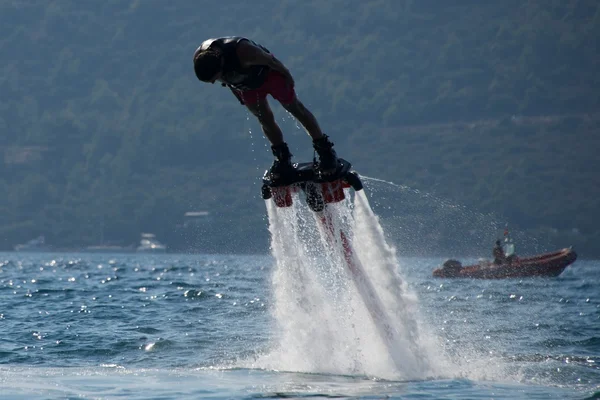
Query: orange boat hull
x=544, y=265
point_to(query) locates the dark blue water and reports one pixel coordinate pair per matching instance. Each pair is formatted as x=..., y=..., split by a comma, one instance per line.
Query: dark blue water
x=193, y=326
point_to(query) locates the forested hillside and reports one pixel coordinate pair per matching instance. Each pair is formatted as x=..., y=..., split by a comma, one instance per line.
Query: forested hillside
x=494, y=106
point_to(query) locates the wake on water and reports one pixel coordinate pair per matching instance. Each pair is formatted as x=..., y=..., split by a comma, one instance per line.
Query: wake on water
x=323, y=318
x=324, y=322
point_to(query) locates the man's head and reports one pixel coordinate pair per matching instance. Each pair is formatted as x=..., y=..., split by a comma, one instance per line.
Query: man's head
x=497, y=242
x=208, y=65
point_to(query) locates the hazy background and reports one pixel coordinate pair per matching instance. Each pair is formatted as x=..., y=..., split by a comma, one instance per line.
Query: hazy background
x=485, y=113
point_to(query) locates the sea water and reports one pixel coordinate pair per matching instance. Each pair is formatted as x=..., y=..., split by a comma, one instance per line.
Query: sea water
x=291, y=324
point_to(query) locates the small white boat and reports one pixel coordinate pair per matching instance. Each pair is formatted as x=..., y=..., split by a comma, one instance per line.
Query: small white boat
x=149, y=244
x=34, y=245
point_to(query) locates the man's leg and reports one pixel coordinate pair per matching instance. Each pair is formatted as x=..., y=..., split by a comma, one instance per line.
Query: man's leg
x=305, y=117
x=328, y=161
x=278, y=87
x=283, y=157
x=263, y=112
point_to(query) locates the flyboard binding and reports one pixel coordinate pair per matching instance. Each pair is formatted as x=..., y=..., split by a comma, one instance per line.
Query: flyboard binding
x=322, y=190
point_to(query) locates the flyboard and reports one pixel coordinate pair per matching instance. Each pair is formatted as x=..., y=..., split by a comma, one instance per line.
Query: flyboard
x=320, y=191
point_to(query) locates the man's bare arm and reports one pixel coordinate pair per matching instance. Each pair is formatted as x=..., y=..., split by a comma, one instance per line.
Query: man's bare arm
x=249, y=55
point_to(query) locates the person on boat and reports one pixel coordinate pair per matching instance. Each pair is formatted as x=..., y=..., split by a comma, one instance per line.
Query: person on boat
x=498, y=253
x=509, y=250
x=252, y=72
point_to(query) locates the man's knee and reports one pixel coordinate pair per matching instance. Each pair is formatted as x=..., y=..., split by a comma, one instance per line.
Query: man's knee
x=295, y=107
x=265, y=117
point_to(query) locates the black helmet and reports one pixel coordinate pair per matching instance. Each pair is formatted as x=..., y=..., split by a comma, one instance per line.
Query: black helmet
x=207, y=64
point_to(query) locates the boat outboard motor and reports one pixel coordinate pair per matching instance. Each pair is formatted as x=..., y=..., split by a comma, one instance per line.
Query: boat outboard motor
x=451, y=265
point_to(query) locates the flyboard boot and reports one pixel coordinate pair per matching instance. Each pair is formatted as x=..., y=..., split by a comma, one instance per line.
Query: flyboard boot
x=328, y=161
x=282, y=166
x=322, y=182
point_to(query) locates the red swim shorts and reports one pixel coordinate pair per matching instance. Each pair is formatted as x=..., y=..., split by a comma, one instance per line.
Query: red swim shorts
x=276, y=85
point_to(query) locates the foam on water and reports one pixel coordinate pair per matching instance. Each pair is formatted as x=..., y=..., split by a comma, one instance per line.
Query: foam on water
x=322, y=321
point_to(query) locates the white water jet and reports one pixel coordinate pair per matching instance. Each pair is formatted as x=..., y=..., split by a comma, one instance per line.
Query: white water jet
x=324, y=322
